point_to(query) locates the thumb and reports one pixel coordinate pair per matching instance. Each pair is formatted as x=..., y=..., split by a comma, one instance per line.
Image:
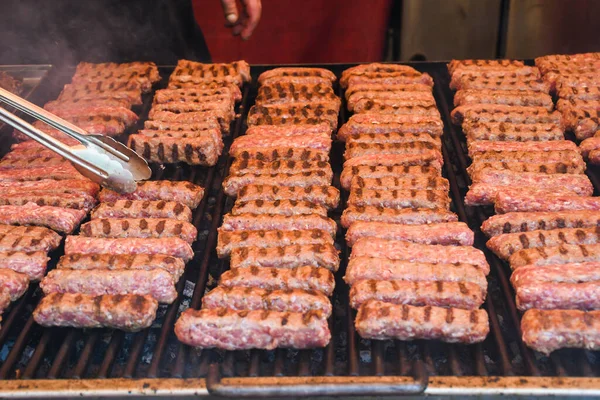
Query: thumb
x=230, y=10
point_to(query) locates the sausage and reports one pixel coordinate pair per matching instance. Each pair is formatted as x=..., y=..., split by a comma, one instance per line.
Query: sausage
x=480, y=194
x=502, y=113
x=287, y=300
x=362, y=149
x=192, y=94
x=540, y=220
x=55, y=105
x=562, y=254
x=431, y=170
x=556, y=145
x=32, y=264
x=233, y=184
x=57, y=172
x=582, y=122
x=422, y=94
x=286, y=257
x=218, y=97
x=521, y=73
x=510, y=132
x=227, y=241
x=506, y=244
x=13, y=282
x=534, y=157
x=523, y=202
x=285, y=114
x=375, y=68
x=522, y=166
x=365, y=268
x=289, y=130
x=379, y=90
x=198, y=150
x=200, y=84
x=183, y=192
x=142, y=209
x=405, y=216
x=46, y=241
x=171, y=246
x=579, y=184
x=78, y=201
x=449, y=233
x=400, y=183
x=278, y=207
x=414, y=252
x=389, y=123
x=524, y=84
x=304, y=278
x=594, y=157
x=172, y=265
x=238, y=71
x=210, y=124
x=423, y=158
x=123, y=114
x=549, y=330
x=408, y=198
x=581, y=92
x=567, y=286
x=51, y=186
x=395, y=107
x=157, y=283
x=588, y=145
x=63, y=220
x=505, y=97
x=139, y=228
x=260, y=142
x=392, y=137
x=296, y=72
x=464, y=295
x=292, y=93
x=32, y=161
x=391, y=78
x=283, y=154
x=257, y=329
x=380, y=321
x=266, y=222
x=327, y=196
x=128, y=312
x=242, y=167
x=484, y=65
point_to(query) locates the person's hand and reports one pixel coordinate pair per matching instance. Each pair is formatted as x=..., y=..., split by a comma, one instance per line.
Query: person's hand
x=242, y=22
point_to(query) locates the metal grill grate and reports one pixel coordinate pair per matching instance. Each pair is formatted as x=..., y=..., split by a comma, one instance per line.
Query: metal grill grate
x=92, y=362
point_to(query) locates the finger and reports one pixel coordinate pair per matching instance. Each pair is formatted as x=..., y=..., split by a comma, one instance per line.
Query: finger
x=230, y=10
x=240, y=24
x=254, y=10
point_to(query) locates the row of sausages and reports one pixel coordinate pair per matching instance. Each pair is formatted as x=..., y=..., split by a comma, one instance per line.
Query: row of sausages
x=412, y=270
x=278, y=237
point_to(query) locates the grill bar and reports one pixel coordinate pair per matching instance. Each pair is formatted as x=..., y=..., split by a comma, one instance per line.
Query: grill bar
x=71, y=358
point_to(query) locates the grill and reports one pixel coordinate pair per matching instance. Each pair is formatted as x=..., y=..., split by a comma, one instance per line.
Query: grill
x=68, y=362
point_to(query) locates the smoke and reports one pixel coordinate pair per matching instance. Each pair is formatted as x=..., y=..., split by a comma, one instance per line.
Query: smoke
x=65, y=32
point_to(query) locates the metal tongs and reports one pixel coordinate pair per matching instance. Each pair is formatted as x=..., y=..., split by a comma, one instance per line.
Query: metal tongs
x=99, y=158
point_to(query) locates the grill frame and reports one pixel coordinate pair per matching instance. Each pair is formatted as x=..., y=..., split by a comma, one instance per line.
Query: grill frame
x=364, y=368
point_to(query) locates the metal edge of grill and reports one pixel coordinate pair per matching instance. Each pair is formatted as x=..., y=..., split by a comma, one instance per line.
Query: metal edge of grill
x=501, y=365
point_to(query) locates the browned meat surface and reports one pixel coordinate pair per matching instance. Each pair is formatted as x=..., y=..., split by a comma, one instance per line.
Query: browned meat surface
x=287, y=257
x=541, y=220
x=278, y=207
x=380, y=321
x=129, y=312
x=142, y=209
x=464, y=295
x=139, y=228
x=327, y=196
x=157, y=283
x=304, y=278
x=405, y=216
x=258, y=329
x=248, y=298
x=549, y=330
x=227, y=241
x=180, y=191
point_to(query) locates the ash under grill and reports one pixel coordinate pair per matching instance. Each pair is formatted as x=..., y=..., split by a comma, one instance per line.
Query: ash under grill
x=348, y=365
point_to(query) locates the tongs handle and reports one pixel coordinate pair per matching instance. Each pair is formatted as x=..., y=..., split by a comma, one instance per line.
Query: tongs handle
x=48, y=141
x=58, y=123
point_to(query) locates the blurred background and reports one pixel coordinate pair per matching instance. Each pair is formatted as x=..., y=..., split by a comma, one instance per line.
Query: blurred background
x=316, y=31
